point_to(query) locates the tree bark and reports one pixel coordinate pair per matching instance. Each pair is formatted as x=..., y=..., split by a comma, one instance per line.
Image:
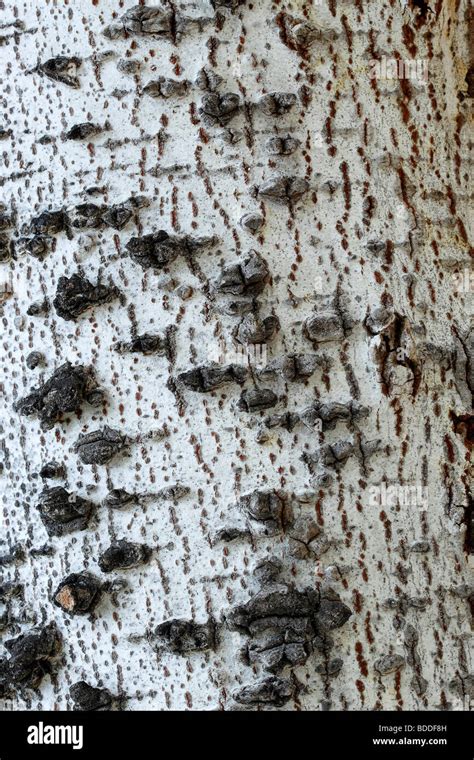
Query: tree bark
x=270, y=304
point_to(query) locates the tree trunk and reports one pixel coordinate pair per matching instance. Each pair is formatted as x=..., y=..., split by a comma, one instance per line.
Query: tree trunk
x=244, y=225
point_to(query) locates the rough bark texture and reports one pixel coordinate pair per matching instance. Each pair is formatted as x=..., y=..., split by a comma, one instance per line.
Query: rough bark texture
x=180, y=531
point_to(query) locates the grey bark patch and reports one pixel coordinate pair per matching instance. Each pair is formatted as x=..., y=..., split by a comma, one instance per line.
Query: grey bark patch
x=37, y=246
x=302, y=535
x=143, y=20
x=159, y=249
x=63, y=512
x=378, y=319
x=62, y=69
x=269, y=508
x=248, y=277
x=376, y=246
x=419, y=685
x=238, y=307
x=282, y=146
x=164, y=87
x=93, y=216
x=6, y=248
x=10, y=590
x=228, y=534
x=88, y=698
x=87, y=215
x=184, y=292
x=118, y=498
x=129, y=65
x=277, y=103
x=257, y=400
x=332, y=614
x=283, y=623
x=48, y=223
x=274, y=652
x=122, y=555
x=295, y=32
x=34, y=359
x=31, y=657
x=294, y=367
x=52, y=470
x=330, y=455
x=219, y=109
x=75, y=295
x=205, y=379
x=252, y=222
x=389, y=663
x=118, y=216
x=208, y=79
x=252, y=330
x=99, y=446
x=65, y=391
x=283, y=188
x=463, y=685
x=268, y=570
x=231, y=136
x=324, y=327
x=184, y=636
x=147, y=344
x=331, y=413
x=420, y=547
x=280, y=602
x=331, y=668
x=231, y=4
x=463, y=365
x=320, y=416
x=82, y=131
x=6, y=221
x=16, y=554
x=174, y=492
x=78, y=594
x=269, y=691
x=38, y=308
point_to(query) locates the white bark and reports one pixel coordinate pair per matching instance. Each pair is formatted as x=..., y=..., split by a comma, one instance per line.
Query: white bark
x=385, y=161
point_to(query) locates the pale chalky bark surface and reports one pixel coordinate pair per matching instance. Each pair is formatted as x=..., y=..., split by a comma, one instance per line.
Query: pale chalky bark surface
x=254, y=510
